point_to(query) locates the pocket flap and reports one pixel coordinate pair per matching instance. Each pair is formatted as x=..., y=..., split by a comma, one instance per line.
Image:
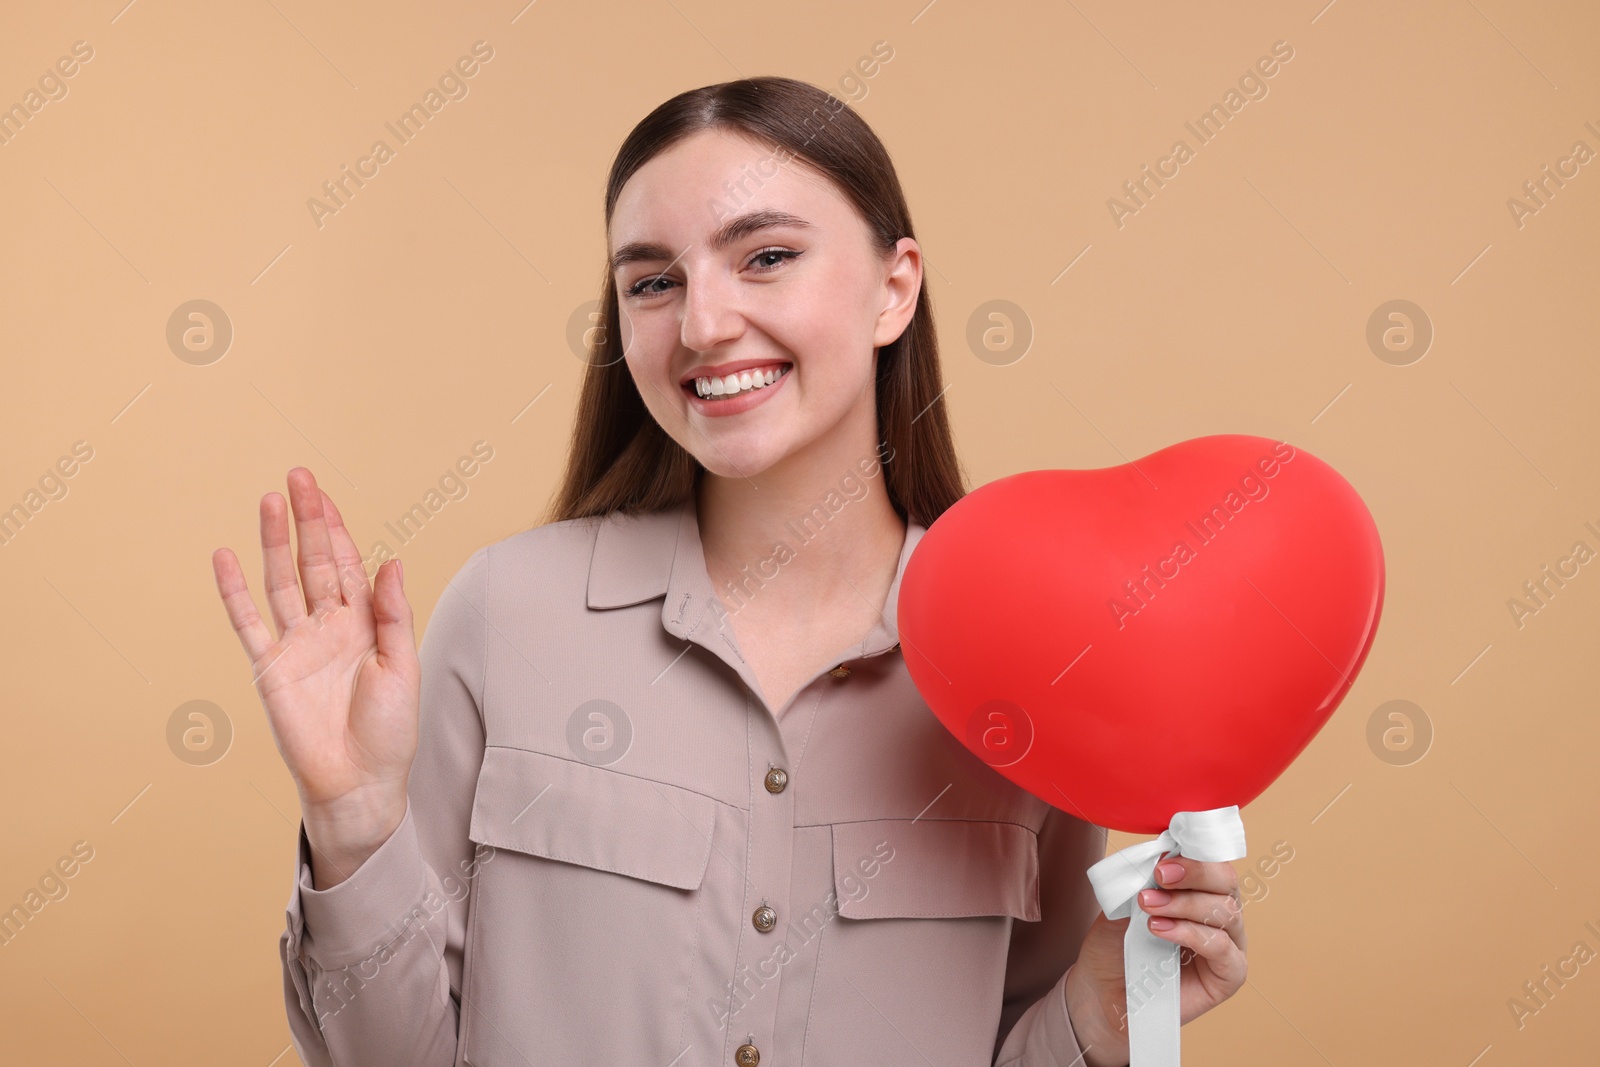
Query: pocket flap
x=565, y=810
x=939, y=868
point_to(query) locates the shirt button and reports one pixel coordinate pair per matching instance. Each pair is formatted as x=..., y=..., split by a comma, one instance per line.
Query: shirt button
x=747, y=1056
x=777, y=778
x=764, y=918
x=841, y=671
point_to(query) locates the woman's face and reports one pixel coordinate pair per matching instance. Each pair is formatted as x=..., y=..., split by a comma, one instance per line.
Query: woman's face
x=751, y=341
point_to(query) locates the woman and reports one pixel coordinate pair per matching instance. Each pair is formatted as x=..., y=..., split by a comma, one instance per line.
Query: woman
x=658, y=788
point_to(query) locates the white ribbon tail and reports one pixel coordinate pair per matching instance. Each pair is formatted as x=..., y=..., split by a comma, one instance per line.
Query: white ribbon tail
x=1151, y=971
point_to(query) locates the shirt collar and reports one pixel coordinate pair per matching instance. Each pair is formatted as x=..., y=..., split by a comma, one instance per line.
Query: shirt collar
x=638, y=558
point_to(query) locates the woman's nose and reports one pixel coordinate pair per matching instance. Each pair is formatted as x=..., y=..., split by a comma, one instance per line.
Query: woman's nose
x=711, y=317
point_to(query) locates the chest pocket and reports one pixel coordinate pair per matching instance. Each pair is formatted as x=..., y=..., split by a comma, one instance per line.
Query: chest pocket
x=590, y=866
x=565, y=810
x=935, y=869
x=925, y=912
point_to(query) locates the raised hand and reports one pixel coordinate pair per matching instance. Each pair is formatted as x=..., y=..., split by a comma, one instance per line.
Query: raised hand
x=340, y=682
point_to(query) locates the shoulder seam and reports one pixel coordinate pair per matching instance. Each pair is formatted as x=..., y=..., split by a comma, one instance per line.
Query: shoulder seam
x=483, y=670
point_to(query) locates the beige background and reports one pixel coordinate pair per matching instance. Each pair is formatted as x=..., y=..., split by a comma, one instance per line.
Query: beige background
x=434, y=308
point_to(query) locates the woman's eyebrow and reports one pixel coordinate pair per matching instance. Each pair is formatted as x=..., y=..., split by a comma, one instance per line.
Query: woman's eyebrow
x=736, y=228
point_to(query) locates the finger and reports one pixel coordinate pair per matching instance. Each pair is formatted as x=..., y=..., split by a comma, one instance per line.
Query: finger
x=1214, y=877
x=241, y=607
x=1225, y=957
x=319, y=573
x=1213, y=909
x=391, y=616
x=284, y=600
x=353, y=583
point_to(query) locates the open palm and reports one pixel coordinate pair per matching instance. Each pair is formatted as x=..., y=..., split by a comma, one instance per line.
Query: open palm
x=340, y=682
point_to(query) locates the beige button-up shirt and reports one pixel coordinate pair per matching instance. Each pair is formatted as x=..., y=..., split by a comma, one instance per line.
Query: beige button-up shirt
x=615, y=852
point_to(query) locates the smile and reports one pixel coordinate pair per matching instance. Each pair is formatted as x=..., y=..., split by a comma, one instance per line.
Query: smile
x=732, y=385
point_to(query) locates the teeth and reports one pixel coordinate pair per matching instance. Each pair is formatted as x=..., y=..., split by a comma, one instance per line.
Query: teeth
x=742, y=382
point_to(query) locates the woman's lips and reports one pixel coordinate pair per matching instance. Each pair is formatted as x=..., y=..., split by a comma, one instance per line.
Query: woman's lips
x=756, y=376
x=740, y=402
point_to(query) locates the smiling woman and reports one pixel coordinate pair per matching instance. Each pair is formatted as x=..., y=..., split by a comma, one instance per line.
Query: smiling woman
x=680, y=782
x=825, y=229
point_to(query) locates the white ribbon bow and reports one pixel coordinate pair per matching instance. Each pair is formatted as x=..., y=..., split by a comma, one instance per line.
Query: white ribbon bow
x=1151, y=971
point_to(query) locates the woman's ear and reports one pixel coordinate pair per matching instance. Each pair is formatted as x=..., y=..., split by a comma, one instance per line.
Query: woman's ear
x=901, y=284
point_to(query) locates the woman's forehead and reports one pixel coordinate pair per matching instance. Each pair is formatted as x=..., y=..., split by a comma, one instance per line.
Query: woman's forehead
x=693, y=189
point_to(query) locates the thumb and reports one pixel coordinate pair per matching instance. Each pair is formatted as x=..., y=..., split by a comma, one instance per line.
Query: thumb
x=391, y=615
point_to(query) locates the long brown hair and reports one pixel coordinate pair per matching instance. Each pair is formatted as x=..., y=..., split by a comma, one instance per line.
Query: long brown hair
x=620, y=458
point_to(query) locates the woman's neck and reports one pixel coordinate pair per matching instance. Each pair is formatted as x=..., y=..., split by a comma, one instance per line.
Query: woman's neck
x=814, y=526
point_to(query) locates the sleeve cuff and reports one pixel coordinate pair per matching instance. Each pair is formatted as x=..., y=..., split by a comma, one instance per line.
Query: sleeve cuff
x=1059, y=1035
x=1047, y=1038
x=353, y=920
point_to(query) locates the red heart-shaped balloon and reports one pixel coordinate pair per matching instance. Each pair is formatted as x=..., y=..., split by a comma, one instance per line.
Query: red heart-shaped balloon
x=1135, y=641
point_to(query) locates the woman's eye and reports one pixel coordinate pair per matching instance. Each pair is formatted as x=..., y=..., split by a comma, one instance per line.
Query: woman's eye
x=647, y=286
x=638, y=288
x=781, y=253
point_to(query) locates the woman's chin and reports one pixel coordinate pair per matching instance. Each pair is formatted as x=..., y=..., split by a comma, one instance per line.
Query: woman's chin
x=736, y=466
x=732, y=456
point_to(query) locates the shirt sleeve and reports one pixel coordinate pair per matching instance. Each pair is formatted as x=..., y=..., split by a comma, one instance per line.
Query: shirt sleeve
x=372, y=966
x=1035, y=1030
